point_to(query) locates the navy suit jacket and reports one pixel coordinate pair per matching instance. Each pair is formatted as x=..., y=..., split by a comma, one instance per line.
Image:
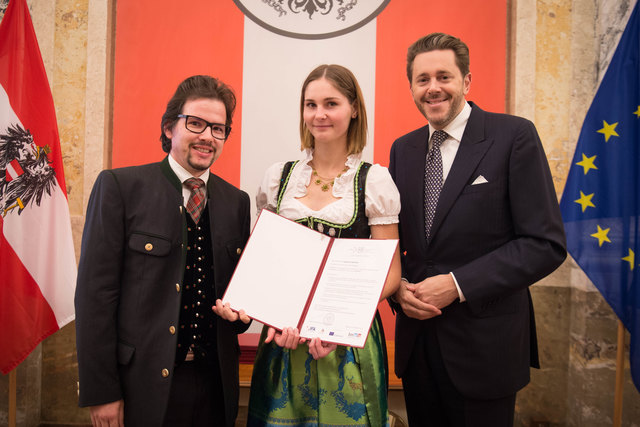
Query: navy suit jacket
x=497, y=238
x=130, y=285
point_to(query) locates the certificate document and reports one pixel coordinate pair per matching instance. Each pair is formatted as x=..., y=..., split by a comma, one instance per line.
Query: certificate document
x=292, y=276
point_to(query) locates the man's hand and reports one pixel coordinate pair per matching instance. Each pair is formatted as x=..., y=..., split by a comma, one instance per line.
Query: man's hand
x=108, y=415
x=411, y=305
x=439, y=291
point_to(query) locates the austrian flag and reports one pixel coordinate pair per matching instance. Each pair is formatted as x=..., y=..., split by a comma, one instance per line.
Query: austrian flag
x=37, y=259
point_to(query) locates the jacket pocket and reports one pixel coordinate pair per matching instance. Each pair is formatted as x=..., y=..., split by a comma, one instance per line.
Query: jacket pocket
x=499, y=306
x=497, y=185
x=125, y=353
x=149, y=244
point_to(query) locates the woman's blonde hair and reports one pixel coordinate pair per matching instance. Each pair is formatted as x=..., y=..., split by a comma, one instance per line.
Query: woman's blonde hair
x=343, y=80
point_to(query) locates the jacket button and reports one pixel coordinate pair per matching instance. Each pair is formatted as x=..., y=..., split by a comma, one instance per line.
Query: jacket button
x=177, y=287
x=239, y=251
x=165, y=373
x=148, y=247
x=172, y=330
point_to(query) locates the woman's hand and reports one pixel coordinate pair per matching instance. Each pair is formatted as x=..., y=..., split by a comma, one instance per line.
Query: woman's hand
x=288, y=338
x=320, y=349
x=224, y=311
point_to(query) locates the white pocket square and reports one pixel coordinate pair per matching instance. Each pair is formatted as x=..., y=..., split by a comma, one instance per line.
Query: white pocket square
x=479, y=180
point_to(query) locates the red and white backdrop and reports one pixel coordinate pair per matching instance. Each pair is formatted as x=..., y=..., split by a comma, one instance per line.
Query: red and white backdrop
x=264, y=50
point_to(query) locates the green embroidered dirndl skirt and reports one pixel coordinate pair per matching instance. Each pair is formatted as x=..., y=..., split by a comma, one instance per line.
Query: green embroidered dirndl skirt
x=346, y=388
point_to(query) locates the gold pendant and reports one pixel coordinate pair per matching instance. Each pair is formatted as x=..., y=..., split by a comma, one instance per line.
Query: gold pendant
x=325, y=187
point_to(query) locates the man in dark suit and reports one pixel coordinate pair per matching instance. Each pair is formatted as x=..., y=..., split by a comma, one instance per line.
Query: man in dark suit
x=160, y=244
x=479, y=224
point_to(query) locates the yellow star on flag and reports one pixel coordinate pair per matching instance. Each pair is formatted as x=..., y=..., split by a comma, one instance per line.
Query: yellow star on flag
x=608, y=130
x=601, y=235
x=585, y=201
x=637, y=112
x=630, y=259
x=587, y=163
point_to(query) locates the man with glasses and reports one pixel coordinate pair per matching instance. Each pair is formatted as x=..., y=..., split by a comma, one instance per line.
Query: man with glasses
x=159, y=246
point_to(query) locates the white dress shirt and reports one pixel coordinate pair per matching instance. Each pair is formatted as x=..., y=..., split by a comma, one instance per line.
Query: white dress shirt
x=448, y=150
x=184, y=175
x=449, y=147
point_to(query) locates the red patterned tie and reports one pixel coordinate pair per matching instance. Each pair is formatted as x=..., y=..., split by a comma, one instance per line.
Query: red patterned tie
x=195, y=205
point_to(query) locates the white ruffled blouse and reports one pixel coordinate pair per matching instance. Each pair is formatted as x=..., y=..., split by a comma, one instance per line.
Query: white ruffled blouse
x=382, y=200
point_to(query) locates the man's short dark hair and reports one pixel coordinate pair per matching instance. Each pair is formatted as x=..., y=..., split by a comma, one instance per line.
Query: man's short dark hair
x=439, y=41
x=195, y=87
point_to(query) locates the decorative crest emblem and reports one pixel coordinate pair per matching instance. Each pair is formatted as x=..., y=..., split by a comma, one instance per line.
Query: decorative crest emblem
x=311, y=19
x=26, y=174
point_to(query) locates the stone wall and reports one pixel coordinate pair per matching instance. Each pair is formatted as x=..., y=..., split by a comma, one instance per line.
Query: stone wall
x=558, y=52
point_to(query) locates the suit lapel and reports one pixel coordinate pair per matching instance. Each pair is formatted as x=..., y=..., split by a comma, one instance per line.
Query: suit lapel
x=216, y=218
x=414, y=162
x=214, y=209
x=171, y=175
x=473, y=147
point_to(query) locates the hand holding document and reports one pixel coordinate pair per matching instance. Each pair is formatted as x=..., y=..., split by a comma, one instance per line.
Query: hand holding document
x=292, y=276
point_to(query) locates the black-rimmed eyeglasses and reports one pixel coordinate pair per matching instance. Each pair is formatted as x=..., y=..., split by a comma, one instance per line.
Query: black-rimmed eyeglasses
x=197, y=125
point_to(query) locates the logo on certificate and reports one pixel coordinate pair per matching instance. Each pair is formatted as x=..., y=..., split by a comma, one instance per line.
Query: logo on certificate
x=329, y=318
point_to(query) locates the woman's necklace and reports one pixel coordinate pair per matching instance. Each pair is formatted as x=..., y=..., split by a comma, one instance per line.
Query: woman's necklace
x=325, y=183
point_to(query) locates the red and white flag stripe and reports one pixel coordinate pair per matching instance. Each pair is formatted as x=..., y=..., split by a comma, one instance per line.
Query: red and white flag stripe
x=37, y=259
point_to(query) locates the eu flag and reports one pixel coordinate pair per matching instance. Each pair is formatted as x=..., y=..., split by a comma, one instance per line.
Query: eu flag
x=601, y=200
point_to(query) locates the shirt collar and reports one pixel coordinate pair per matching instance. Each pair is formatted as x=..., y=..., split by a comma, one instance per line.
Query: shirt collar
x=455, y=129
x=183, y=174
x=353, y=160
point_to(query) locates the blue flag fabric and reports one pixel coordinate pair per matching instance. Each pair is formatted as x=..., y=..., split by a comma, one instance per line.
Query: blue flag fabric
x=601, y=201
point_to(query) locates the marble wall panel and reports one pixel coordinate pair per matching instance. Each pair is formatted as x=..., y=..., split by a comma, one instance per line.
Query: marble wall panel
x=28, y=387
x=70, y=69
x=553, y=81
x=60, y=379
x=592, y=365
x=577, y=344
x=542, y=399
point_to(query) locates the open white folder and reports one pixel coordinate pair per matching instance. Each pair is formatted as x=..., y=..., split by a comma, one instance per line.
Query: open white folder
x=292, y=276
